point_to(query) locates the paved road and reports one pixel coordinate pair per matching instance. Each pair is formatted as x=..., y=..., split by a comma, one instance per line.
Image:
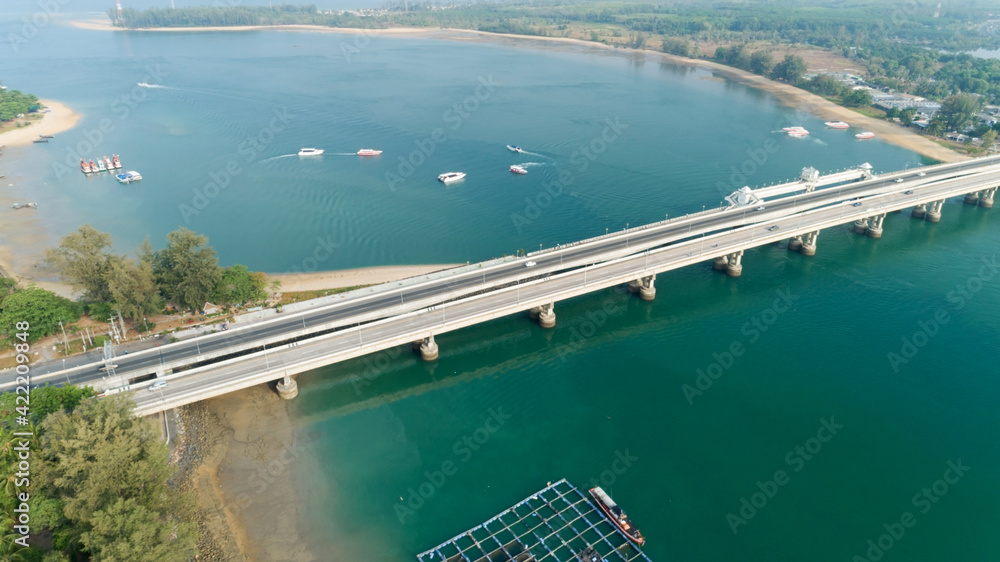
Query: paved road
x=359, y=307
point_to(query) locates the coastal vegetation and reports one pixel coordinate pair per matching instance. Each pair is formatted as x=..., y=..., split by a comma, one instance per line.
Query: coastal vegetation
x=14, y=103
x=99, y=487
x=185, y=274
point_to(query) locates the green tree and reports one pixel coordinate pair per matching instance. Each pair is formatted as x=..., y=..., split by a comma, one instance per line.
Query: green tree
x=41, y=309
x=187, y=269
x=958, y=110
x=82, y=260
x=239, y=285
x=936, y=127
x=906, y=116
x=761, y=62
x=677, y=46
x=133, y=287
x=790, y=69
x=858, y=98
x=126, y=530
x=988, y=138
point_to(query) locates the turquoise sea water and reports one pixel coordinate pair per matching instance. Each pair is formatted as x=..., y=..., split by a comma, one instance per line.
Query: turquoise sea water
x=813, y=334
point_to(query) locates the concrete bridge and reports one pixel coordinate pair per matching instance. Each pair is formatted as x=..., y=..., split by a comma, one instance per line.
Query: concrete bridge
x=416, y=310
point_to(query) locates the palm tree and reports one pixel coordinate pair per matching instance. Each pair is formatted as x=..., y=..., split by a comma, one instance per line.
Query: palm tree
x=10, y=551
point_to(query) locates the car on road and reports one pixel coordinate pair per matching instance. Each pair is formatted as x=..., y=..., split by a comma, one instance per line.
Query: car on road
x=773, y=228
x=530, y=264
x=158, y=385
x=908, y=192
x=899, y=180
x=921, y=174
x=857, y=204
x=761, y=208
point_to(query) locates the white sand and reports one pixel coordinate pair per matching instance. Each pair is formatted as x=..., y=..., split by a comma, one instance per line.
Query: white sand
x=60, y=118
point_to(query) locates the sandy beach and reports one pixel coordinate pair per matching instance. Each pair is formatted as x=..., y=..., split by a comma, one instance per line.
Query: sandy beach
x=788, y=95
x=315, y=281
x=240, y=455
x=60, y=118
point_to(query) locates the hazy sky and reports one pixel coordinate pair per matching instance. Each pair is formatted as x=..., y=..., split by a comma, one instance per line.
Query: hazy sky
x=76, y=6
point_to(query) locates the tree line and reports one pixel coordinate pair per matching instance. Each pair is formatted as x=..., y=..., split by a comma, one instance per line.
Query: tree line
x=99, y=484
x=185, y=273
x=14, y=103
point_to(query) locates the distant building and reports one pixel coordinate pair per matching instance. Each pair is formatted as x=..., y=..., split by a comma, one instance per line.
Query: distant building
x=210, y=308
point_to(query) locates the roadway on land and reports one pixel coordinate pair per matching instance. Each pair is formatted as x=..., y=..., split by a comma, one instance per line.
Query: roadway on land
x=418, y=295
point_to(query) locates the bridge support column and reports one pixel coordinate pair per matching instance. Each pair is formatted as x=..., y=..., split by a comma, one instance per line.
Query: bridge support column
x=534, y=312
x=634, y=285
x=986, y=201
x=547, y=317
x=934, y=213
x=861, y=226
x=809, y=243
x=720, y=263
x=735, y=267
x=647, y=291
x=875, y=228
x=919, y=211
x=288, y=388
x=429, y=349
x=795, y=244
x=972, y=198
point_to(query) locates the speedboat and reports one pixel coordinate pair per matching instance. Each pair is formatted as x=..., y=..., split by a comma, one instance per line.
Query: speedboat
x=513, y=148
x=116, y=161
x=123, y=178
x=796, y=131
x=85, y=167
x=143, y=85
x=616, y=515
x=133, y=175
x=310, y=152
x=451, y=177
x=865, y=135
x=518, y=170
x=836, y=125
x=369, y=152
x=100, y=166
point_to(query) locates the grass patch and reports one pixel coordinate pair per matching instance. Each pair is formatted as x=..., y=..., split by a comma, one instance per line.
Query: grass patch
x=287, y=298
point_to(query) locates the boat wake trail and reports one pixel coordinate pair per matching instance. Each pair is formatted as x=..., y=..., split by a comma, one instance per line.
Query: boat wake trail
x=819, y=142
x=535, y=154
x=276, y=157
x=529, y=164
x=342, y=153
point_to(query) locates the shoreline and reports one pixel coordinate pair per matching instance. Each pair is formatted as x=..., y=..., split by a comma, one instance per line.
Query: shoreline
x=59, y=119
x=786, y=94
x=342, y=278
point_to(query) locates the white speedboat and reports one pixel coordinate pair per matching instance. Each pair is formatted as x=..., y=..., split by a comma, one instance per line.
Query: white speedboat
x=837, y=125
x=865, y=135
x=451, y=177
x=310, y=152
x=133, y=175
x=123, y=178
x=369, y=152
x=518, y=169
x=513, y=148
x=143, y=85
x=796, y=131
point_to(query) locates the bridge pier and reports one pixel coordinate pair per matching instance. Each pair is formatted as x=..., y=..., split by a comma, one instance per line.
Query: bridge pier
x=647, y=291
x=919, y=211
x=795, y=244
x=809, y=243
x=534, y=312
x=972, y=198
x=735, y=267
x=986, y=201
x=634, y=285
x=428, y=349
x=875, y=228
x=861, y=226
x=547, y=316
x=288, y=388
x=934, y=213
x=720, y=263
